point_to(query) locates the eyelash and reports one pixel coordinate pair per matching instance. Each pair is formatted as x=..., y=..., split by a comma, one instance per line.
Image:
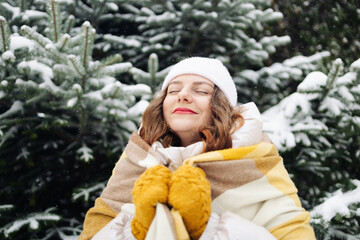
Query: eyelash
x=197, y=91
x=174, y=91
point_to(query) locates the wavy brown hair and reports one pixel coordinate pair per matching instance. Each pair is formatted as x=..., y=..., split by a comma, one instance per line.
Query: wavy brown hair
x=216, y=136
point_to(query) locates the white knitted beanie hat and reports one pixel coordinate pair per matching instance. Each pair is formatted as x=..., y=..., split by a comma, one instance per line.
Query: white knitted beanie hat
x=209, y=68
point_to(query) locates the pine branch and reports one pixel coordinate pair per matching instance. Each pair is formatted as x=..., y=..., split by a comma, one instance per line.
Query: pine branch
x=76, y=65
x=99, y=12
x=32, y=220
x=32, y=34
x=76, y=40
x=140, y=76
x=97, y=66
x=8, y=2
x=153, y=66
x=6, y=207
x=337, y=65
x=115, y=92
x=22, y=5
x=82, y=122
x=50, y=48
x=16, y=107
x=83, y=10
x=86, y=192
x=63, y=134
x=53, y=11
x=64, y=69
x=114, y=69
x=35, y=99
x=214, y=3
x=4, y=37
x=193, y=43
x=112, y=60
x=69, y=23
x=83, y=81
x=44, y=42
x=54, y=20
x=87, y=43
x=132, y=43
x=64, y=40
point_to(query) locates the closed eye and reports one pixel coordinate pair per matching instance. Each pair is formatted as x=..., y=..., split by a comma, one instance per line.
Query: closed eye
x=202, y=92
x=173, y=91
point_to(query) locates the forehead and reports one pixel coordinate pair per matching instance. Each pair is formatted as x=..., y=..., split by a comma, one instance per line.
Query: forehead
x=191, y=79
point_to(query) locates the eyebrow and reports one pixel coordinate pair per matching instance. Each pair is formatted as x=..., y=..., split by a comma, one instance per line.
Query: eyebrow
x=195, y=83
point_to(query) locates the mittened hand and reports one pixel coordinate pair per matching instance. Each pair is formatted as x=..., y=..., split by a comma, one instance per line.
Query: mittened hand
x=151, y=188
x=190, y=194
x=187, y=190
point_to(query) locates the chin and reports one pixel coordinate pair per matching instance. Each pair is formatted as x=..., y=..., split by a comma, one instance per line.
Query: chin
x=184, y=130
x=184, y=125
x=180, y=128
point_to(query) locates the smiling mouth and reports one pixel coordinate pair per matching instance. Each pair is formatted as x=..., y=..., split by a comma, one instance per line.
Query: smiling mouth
x=183, y=111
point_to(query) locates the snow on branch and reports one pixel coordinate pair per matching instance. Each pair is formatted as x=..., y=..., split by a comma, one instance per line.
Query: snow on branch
x=161, y=19
x=302, y=60
x=355, y=66
x=16, y=107
x=17, y=42
x=114, y=69
x=98, y=65
x=45, y=72
x=123, y=41
x=32, y=220
x=85, y=193
x=337, y=203
x=283, y=121
x=32, y=34
x=85, y=153
x=5, y=208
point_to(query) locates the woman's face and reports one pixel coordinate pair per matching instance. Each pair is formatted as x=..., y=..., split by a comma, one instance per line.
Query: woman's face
x=186, y=106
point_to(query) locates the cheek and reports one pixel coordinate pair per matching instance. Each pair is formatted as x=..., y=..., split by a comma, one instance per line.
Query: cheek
x=165, y=104
x=166, y=108
x=207, y=113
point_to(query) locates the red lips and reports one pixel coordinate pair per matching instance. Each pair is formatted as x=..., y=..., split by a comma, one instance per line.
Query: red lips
x=183, y=111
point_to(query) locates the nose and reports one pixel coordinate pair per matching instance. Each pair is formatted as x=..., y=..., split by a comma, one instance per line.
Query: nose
x=185, y=95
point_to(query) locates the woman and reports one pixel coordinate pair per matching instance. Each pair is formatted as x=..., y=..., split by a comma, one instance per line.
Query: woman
x=200, y=168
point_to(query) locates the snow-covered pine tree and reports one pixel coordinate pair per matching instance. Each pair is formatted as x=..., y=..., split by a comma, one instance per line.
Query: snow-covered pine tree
x=337, y=217
x=92, y=10
x=233, y=31
x=319, y=26
x=316, y=129
x=153, y=77
x=14, y=50
x=237, y=32
x=269, y=85
x=61, y=111
x=18, y=13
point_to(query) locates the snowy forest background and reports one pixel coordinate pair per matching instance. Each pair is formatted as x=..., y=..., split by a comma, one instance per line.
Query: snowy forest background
x=75, y=76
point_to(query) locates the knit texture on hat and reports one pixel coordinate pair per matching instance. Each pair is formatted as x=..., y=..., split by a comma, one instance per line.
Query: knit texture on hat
x=209, y=68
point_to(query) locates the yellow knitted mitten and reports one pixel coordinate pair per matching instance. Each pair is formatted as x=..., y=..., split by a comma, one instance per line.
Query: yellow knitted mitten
x=190, y=194
x=151, y=188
